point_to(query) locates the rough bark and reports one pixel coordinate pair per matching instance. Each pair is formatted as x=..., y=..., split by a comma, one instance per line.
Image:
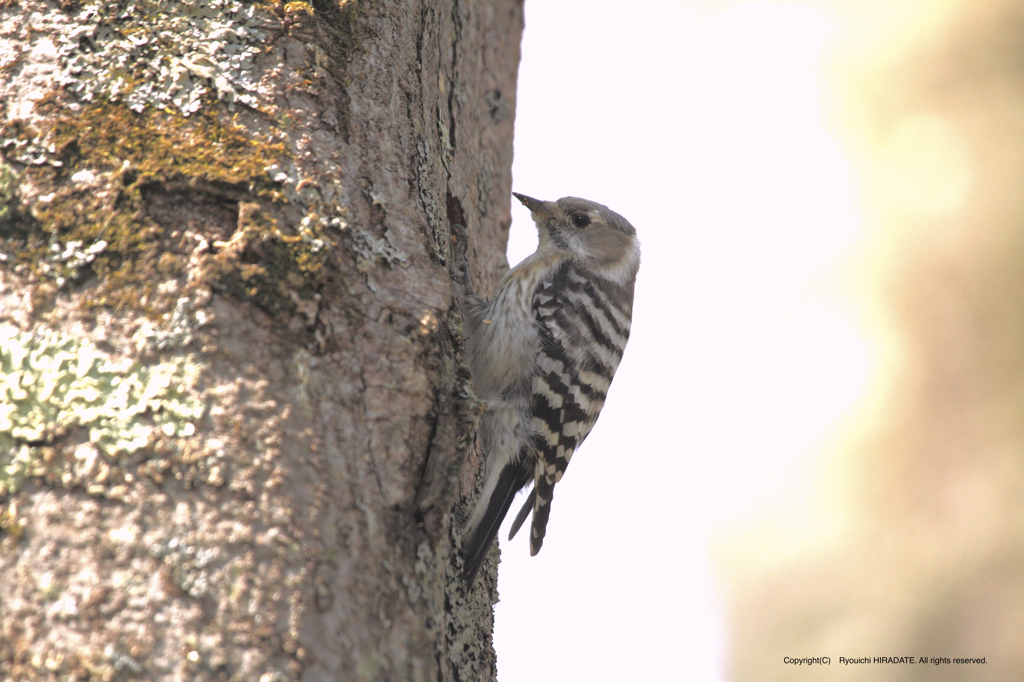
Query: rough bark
x=235, y=428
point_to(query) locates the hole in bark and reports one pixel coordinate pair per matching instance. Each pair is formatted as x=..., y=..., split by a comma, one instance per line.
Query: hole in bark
x=456, y=216
x=214, y=217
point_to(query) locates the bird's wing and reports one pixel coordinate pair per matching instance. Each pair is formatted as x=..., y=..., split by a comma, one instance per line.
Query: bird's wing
x=570, y=385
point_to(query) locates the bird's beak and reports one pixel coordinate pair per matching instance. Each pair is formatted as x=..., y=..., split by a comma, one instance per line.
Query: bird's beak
x=536, y=206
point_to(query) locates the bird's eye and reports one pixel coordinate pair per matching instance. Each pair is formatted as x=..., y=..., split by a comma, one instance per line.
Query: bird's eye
x=580, y=219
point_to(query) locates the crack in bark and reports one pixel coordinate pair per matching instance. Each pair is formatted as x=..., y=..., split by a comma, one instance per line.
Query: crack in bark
x=457, y=22
x=422, y=504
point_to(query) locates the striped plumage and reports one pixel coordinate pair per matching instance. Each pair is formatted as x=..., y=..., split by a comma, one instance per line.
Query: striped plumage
x=543, y=352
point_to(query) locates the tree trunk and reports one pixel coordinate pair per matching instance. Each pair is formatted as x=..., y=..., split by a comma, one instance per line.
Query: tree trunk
x=235, y=428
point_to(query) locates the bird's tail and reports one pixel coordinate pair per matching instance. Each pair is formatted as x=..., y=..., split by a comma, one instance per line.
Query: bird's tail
x=523, y=513
x=490, y=511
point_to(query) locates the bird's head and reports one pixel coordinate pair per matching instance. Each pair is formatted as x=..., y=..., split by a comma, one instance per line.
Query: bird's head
x=592, y=232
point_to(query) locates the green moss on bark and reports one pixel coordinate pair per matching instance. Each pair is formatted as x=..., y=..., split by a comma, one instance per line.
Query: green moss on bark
x=94, y=212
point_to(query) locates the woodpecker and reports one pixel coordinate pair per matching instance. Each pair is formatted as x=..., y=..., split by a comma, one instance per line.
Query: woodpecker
x=543, y=352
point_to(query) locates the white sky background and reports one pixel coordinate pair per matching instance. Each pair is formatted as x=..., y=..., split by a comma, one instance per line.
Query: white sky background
x=702, y=123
